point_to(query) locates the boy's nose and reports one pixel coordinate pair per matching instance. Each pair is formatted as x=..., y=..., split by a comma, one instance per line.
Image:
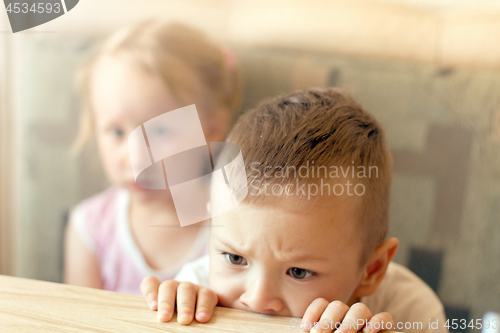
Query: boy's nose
x=262, y=297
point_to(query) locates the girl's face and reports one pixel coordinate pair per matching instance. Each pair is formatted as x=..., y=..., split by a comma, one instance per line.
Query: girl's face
x=124, y=97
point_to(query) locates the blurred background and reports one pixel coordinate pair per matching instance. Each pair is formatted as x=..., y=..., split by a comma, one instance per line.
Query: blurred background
x=429, y=70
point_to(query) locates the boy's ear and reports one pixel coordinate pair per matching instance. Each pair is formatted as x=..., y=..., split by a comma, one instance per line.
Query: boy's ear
x=376, y=267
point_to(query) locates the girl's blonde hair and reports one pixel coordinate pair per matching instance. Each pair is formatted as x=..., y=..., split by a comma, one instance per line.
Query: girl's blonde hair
x=195, y=69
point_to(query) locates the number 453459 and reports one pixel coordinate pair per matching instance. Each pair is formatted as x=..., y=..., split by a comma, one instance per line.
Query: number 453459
x=478, y=324
x=35, y=8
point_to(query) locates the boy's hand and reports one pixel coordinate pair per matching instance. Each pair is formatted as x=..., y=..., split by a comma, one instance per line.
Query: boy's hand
x=164, y=296
x=337, y=314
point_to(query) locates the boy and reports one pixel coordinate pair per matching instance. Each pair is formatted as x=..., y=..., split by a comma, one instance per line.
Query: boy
x=309, y=239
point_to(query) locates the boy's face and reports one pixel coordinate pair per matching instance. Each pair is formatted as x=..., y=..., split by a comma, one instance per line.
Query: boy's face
x=278, y=258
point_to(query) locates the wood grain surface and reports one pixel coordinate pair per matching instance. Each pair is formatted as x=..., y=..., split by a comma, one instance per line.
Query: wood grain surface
x=39, y=306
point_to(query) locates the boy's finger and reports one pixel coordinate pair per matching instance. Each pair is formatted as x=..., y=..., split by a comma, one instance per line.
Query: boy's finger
x=357, y=316
x=379, y=322
x=313, y=313
x=149, y=289
x=166, y=300
x=205, y=304
x=186, y=300
x=332, y=317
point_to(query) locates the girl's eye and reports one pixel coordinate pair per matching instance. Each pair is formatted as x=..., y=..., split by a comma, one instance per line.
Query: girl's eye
x=235, y=259
x=117, y=132
x=161, y=131
x=300, y=273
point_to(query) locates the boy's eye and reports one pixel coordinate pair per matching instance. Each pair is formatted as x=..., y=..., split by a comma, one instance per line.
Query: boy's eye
x=299, y=273
x=235, y=259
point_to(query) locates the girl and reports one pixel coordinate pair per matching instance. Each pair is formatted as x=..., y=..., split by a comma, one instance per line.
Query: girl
x=139, y=73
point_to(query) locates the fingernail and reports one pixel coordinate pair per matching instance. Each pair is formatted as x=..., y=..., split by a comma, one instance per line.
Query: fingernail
x=153, y=304
x=164, y=312
x=202, y=315
x=183, y=316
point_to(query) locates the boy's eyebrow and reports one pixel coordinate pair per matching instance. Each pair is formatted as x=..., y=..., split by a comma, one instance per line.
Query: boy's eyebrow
x=231, y=248
x=306, y=257
x=290, y=257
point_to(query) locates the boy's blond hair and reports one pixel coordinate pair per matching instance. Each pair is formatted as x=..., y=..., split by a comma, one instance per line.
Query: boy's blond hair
x=195, y=69
x=324, y=127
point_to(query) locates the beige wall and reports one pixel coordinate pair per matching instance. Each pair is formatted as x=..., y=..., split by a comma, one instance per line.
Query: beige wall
x=451, y=4
x=446, y=34
x=6, y=151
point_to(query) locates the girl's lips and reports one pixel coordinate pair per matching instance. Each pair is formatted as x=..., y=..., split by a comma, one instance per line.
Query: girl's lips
x=146, y=185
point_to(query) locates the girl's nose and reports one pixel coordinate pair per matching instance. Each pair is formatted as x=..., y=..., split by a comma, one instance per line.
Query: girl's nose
x=137, y=151
x=262, y=297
